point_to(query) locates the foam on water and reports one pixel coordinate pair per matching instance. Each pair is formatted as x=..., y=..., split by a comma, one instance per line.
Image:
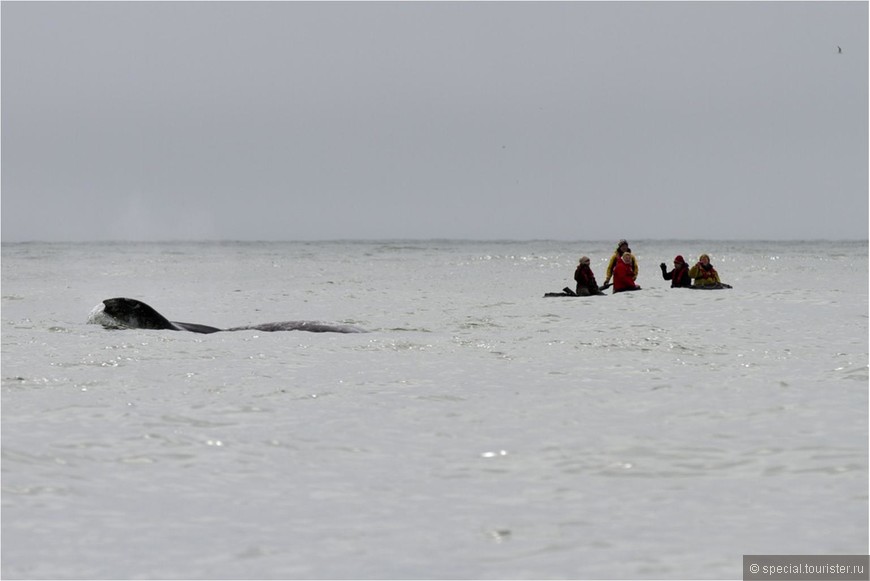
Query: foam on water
x=479, y=430
x=98, y=316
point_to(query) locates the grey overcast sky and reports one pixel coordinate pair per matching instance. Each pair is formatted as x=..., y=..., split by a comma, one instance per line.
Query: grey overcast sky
x=474, y=120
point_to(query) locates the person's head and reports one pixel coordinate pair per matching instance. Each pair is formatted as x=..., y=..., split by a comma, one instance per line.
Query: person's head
x=622, y=246
x=678, y=261
x=584, y=260
x=626, y=258
x=704, y=259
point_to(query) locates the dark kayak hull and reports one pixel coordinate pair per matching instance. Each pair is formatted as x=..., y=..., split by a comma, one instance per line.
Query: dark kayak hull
x=567, y=292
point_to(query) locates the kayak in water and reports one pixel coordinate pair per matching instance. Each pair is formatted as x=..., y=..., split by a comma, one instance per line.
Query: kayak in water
x=567, y=292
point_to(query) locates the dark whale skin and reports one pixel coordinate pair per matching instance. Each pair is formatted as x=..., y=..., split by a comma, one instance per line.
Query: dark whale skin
x=121, y=312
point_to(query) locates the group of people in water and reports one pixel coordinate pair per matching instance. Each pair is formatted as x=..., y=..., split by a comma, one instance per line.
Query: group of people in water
x=622, y=269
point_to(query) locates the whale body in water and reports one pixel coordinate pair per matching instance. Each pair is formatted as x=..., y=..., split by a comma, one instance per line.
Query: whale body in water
x=124, y=313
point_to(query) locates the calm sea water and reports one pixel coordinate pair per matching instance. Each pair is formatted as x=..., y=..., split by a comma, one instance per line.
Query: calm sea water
x=478, y=431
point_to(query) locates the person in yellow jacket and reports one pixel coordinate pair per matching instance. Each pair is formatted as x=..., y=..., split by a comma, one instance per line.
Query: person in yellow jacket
x=703, y=272
x=621, y=248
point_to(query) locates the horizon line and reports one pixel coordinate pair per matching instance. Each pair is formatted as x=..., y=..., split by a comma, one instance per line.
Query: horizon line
x=418, y=240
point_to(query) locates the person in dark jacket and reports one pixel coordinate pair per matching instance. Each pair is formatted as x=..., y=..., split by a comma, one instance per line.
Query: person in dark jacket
x=679, y=276
x=586, y=284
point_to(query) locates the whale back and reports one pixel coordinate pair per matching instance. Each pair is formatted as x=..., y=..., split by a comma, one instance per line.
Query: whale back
x=195, y=327
x=311, y=326
x=124, y=312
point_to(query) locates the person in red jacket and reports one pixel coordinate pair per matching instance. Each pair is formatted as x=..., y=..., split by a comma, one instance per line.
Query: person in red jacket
x=621, y=248
x=623, y=275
